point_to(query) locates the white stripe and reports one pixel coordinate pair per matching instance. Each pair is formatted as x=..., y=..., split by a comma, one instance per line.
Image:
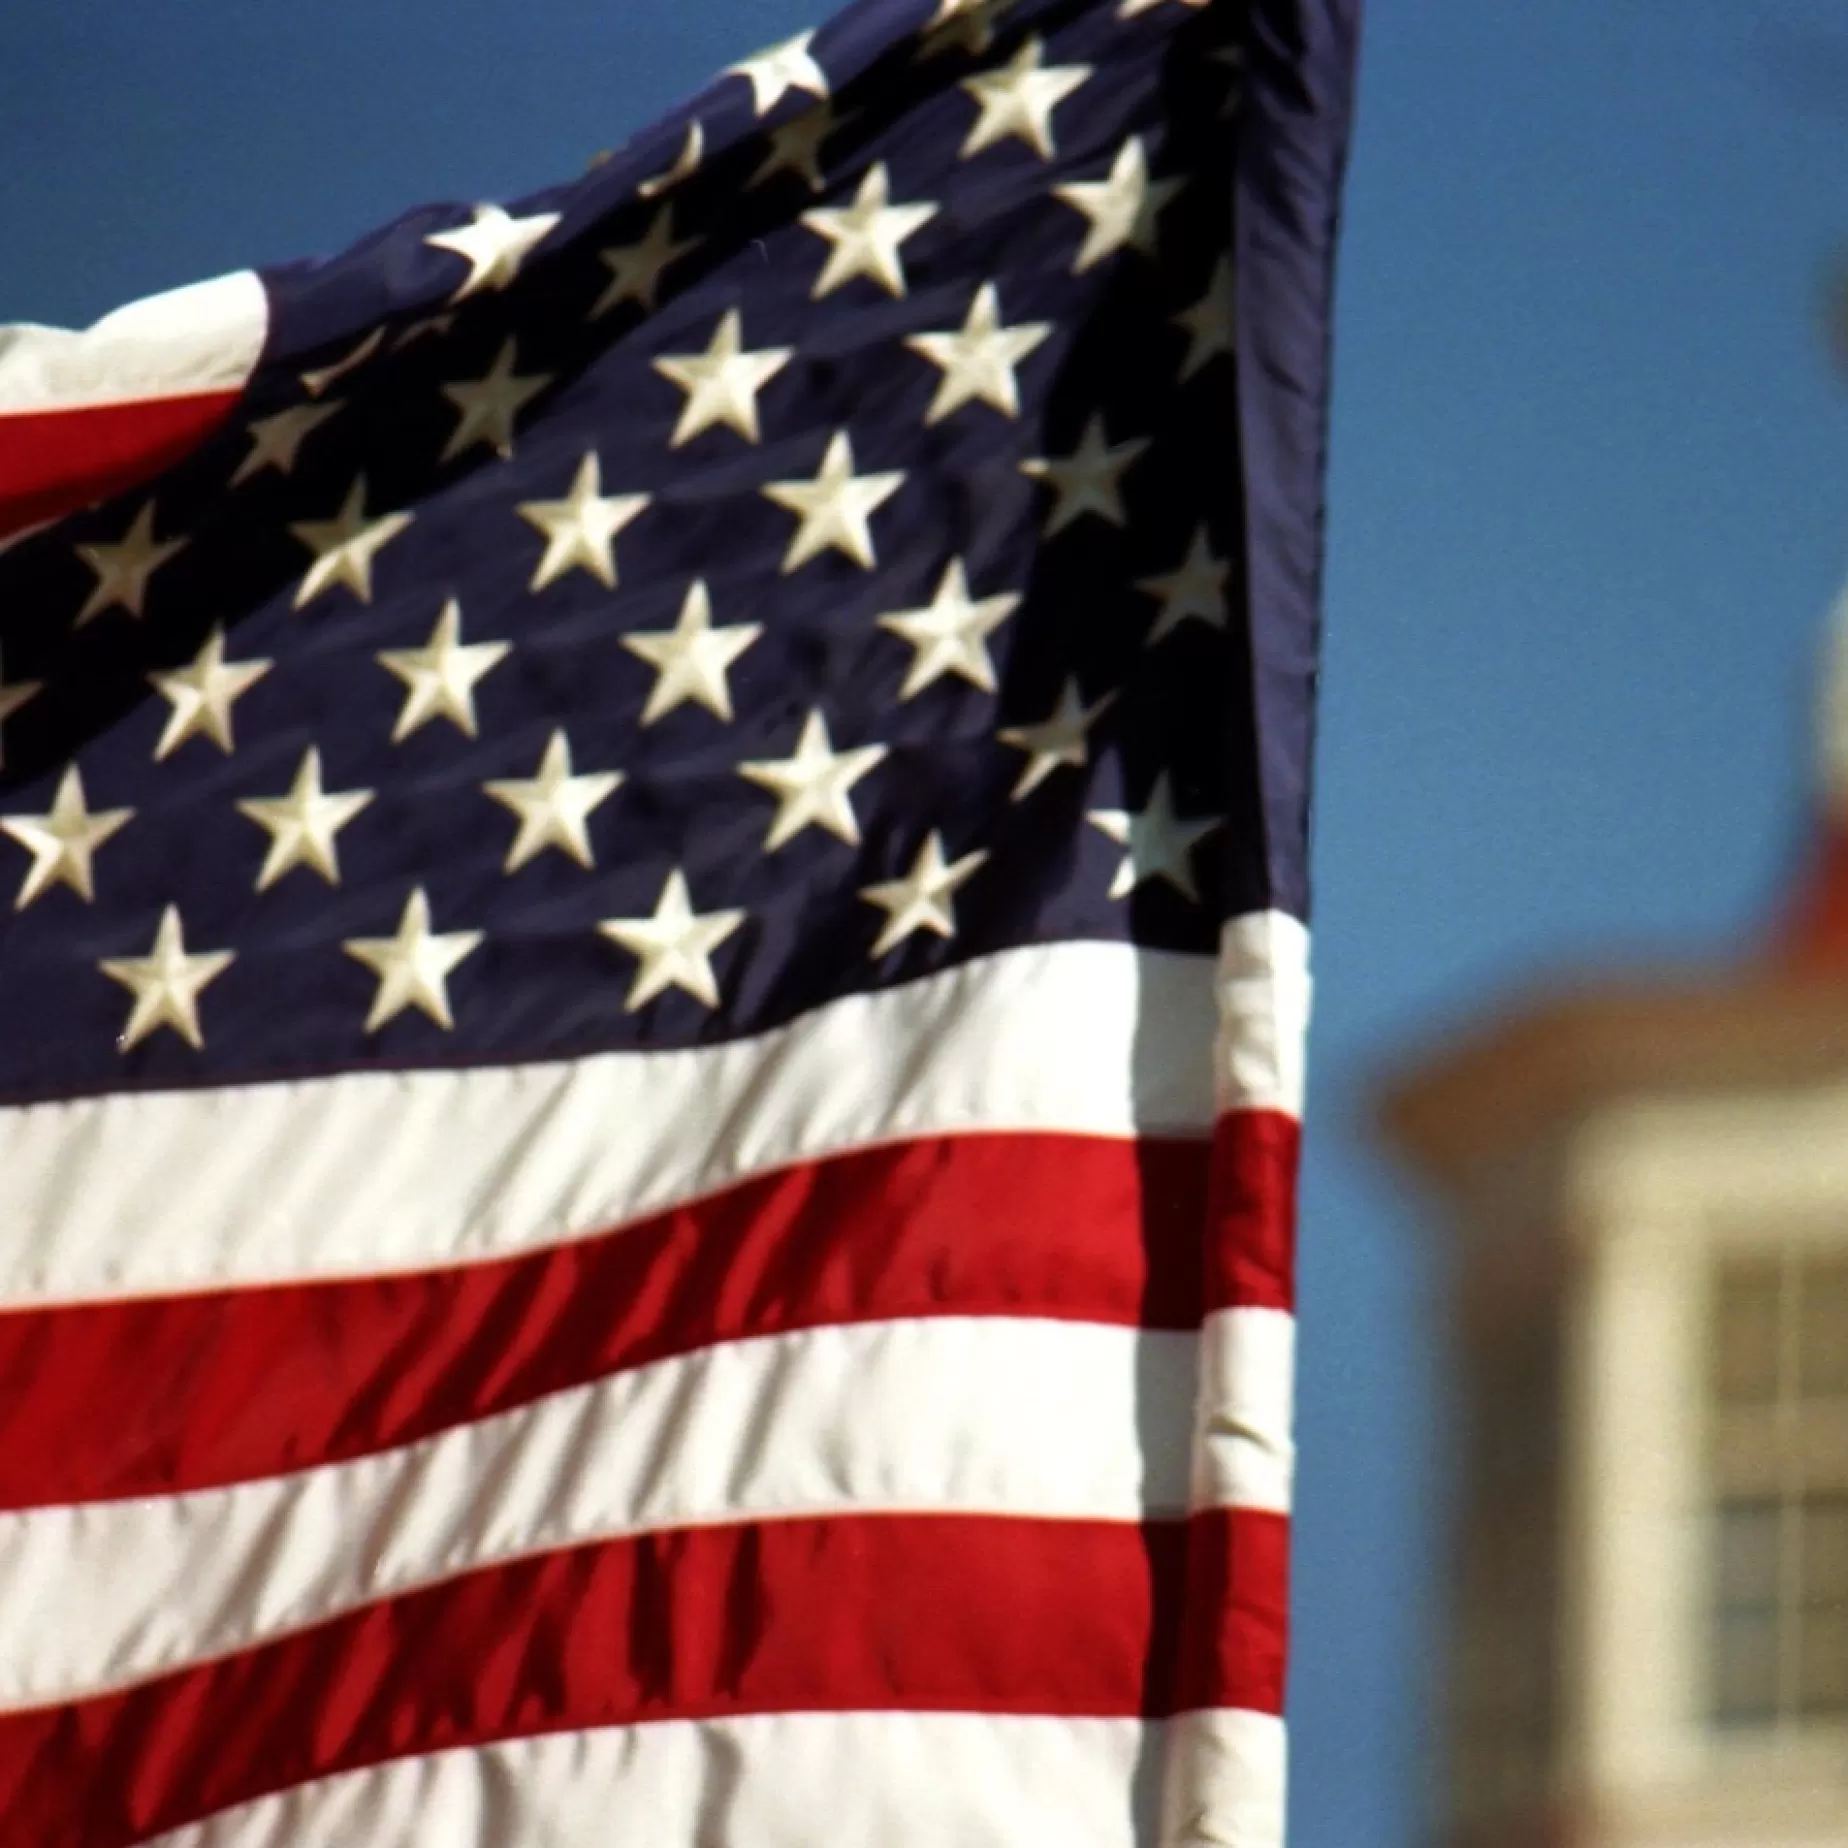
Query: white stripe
x=206, y=337
x=1224, y=1783
x=374, y=1172
x=966, y=1415
x=779, y=1780
x=1263, y=993
x=1244, y=1456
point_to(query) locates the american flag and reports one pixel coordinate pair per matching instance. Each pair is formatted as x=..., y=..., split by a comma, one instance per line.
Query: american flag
x=654, y=977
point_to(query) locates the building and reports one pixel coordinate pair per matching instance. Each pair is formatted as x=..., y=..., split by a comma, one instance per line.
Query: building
x=1648, y=1584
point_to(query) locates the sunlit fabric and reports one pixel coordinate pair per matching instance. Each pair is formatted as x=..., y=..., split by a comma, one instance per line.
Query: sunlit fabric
x=655, y=977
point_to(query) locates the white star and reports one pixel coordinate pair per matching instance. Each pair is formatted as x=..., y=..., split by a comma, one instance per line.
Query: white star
x=1208, y=322
x=1089, y=480
x=202, y=694
x=553, y=807
x=413, y=964
x=489, y=405
x=439, y=677
x=1122, y=209
x=692, y=658
x=813, y=787
x=922, y=899
x=303, y=824
x=123, y=566
x=276, y=441
x=866, y=235
x=795, y=147
x=779, y=69
x=1060, y=739
x=685, y=164
x=317, y=381
x=345, y=546
x=721, y=383
x=422, y=330
x=674, y=946
x=13, y=695
x=493, y=245
x=968, y=24
x=1019, y=99
x=834, y=507
x=63, y=844
x=978, y=360
x=1194, y=589
x=166, y=984
x=1160, y=844
x=580, y=530
x=950, y=634
x=636, y=269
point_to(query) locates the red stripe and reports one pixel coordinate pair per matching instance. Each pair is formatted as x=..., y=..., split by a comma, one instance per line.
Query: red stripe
x=254, y=1382
x=1251, y=1253
x=1238, y=1567
x=893, y=1612
x=1238, y=1570
x=53, y=462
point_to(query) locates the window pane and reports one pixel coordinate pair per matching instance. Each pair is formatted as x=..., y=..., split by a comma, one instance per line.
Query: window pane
x=1822, y=1320
x=1745, y=1611
x=1823, y=1660
x=1746, y=1330
x=1746, y=1549
x=1825, y=1551
x=1745, y=1666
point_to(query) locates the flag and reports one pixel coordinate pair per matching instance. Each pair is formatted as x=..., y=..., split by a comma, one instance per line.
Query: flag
x=654, y=974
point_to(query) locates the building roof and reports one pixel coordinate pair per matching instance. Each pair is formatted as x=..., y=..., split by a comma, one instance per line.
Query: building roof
x=1540, y=1065
x=1815, y=937
x=1777, y=1016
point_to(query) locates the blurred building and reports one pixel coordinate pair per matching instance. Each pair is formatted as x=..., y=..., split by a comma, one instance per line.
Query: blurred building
x=1648, y=1579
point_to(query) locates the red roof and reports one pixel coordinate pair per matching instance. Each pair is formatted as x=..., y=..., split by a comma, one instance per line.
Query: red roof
x=1815, y=932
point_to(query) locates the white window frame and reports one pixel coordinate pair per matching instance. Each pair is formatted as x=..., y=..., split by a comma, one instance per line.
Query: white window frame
x=1659, y=1190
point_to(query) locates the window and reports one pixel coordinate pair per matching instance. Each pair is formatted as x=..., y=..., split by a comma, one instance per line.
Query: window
x=1779, y=1405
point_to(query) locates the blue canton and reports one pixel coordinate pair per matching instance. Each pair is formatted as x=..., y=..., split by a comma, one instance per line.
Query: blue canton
x=804, y=554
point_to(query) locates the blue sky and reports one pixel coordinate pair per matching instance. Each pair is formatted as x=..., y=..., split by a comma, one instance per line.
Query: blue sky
x=1587, y=499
